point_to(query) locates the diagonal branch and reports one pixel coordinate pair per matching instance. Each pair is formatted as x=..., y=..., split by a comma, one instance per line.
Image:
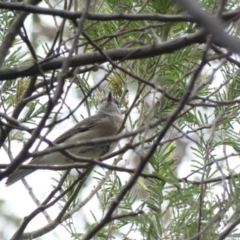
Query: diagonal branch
x=13, y=31
x=98, y=58
x=211, y=24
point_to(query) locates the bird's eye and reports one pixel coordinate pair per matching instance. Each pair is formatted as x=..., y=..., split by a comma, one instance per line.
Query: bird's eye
x=103, y=100
x=114, y=100
x=117, y=102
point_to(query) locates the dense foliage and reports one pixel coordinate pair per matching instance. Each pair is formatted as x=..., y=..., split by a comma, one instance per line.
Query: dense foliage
x=176, y=172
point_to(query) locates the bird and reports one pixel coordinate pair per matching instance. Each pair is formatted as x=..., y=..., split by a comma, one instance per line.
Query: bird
x=105, y=123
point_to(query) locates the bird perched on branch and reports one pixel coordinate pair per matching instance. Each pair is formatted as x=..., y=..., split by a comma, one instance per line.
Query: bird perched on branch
x=105, y=123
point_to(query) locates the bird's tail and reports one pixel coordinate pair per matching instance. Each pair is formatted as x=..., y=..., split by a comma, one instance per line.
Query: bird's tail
x=17, y=175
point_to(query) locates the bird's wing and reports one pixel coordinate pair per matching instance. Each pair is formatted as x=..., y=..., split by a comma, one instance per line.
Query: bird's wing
x=82, y=126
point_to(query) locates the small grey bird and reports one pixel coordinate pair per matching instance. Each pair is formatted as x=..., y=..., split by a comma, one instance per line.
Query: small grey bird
x=105, y=123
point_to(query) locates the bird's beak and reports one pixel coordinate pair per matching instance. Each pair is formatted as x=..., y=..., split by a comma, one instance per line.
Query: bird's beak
x=110, y=98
